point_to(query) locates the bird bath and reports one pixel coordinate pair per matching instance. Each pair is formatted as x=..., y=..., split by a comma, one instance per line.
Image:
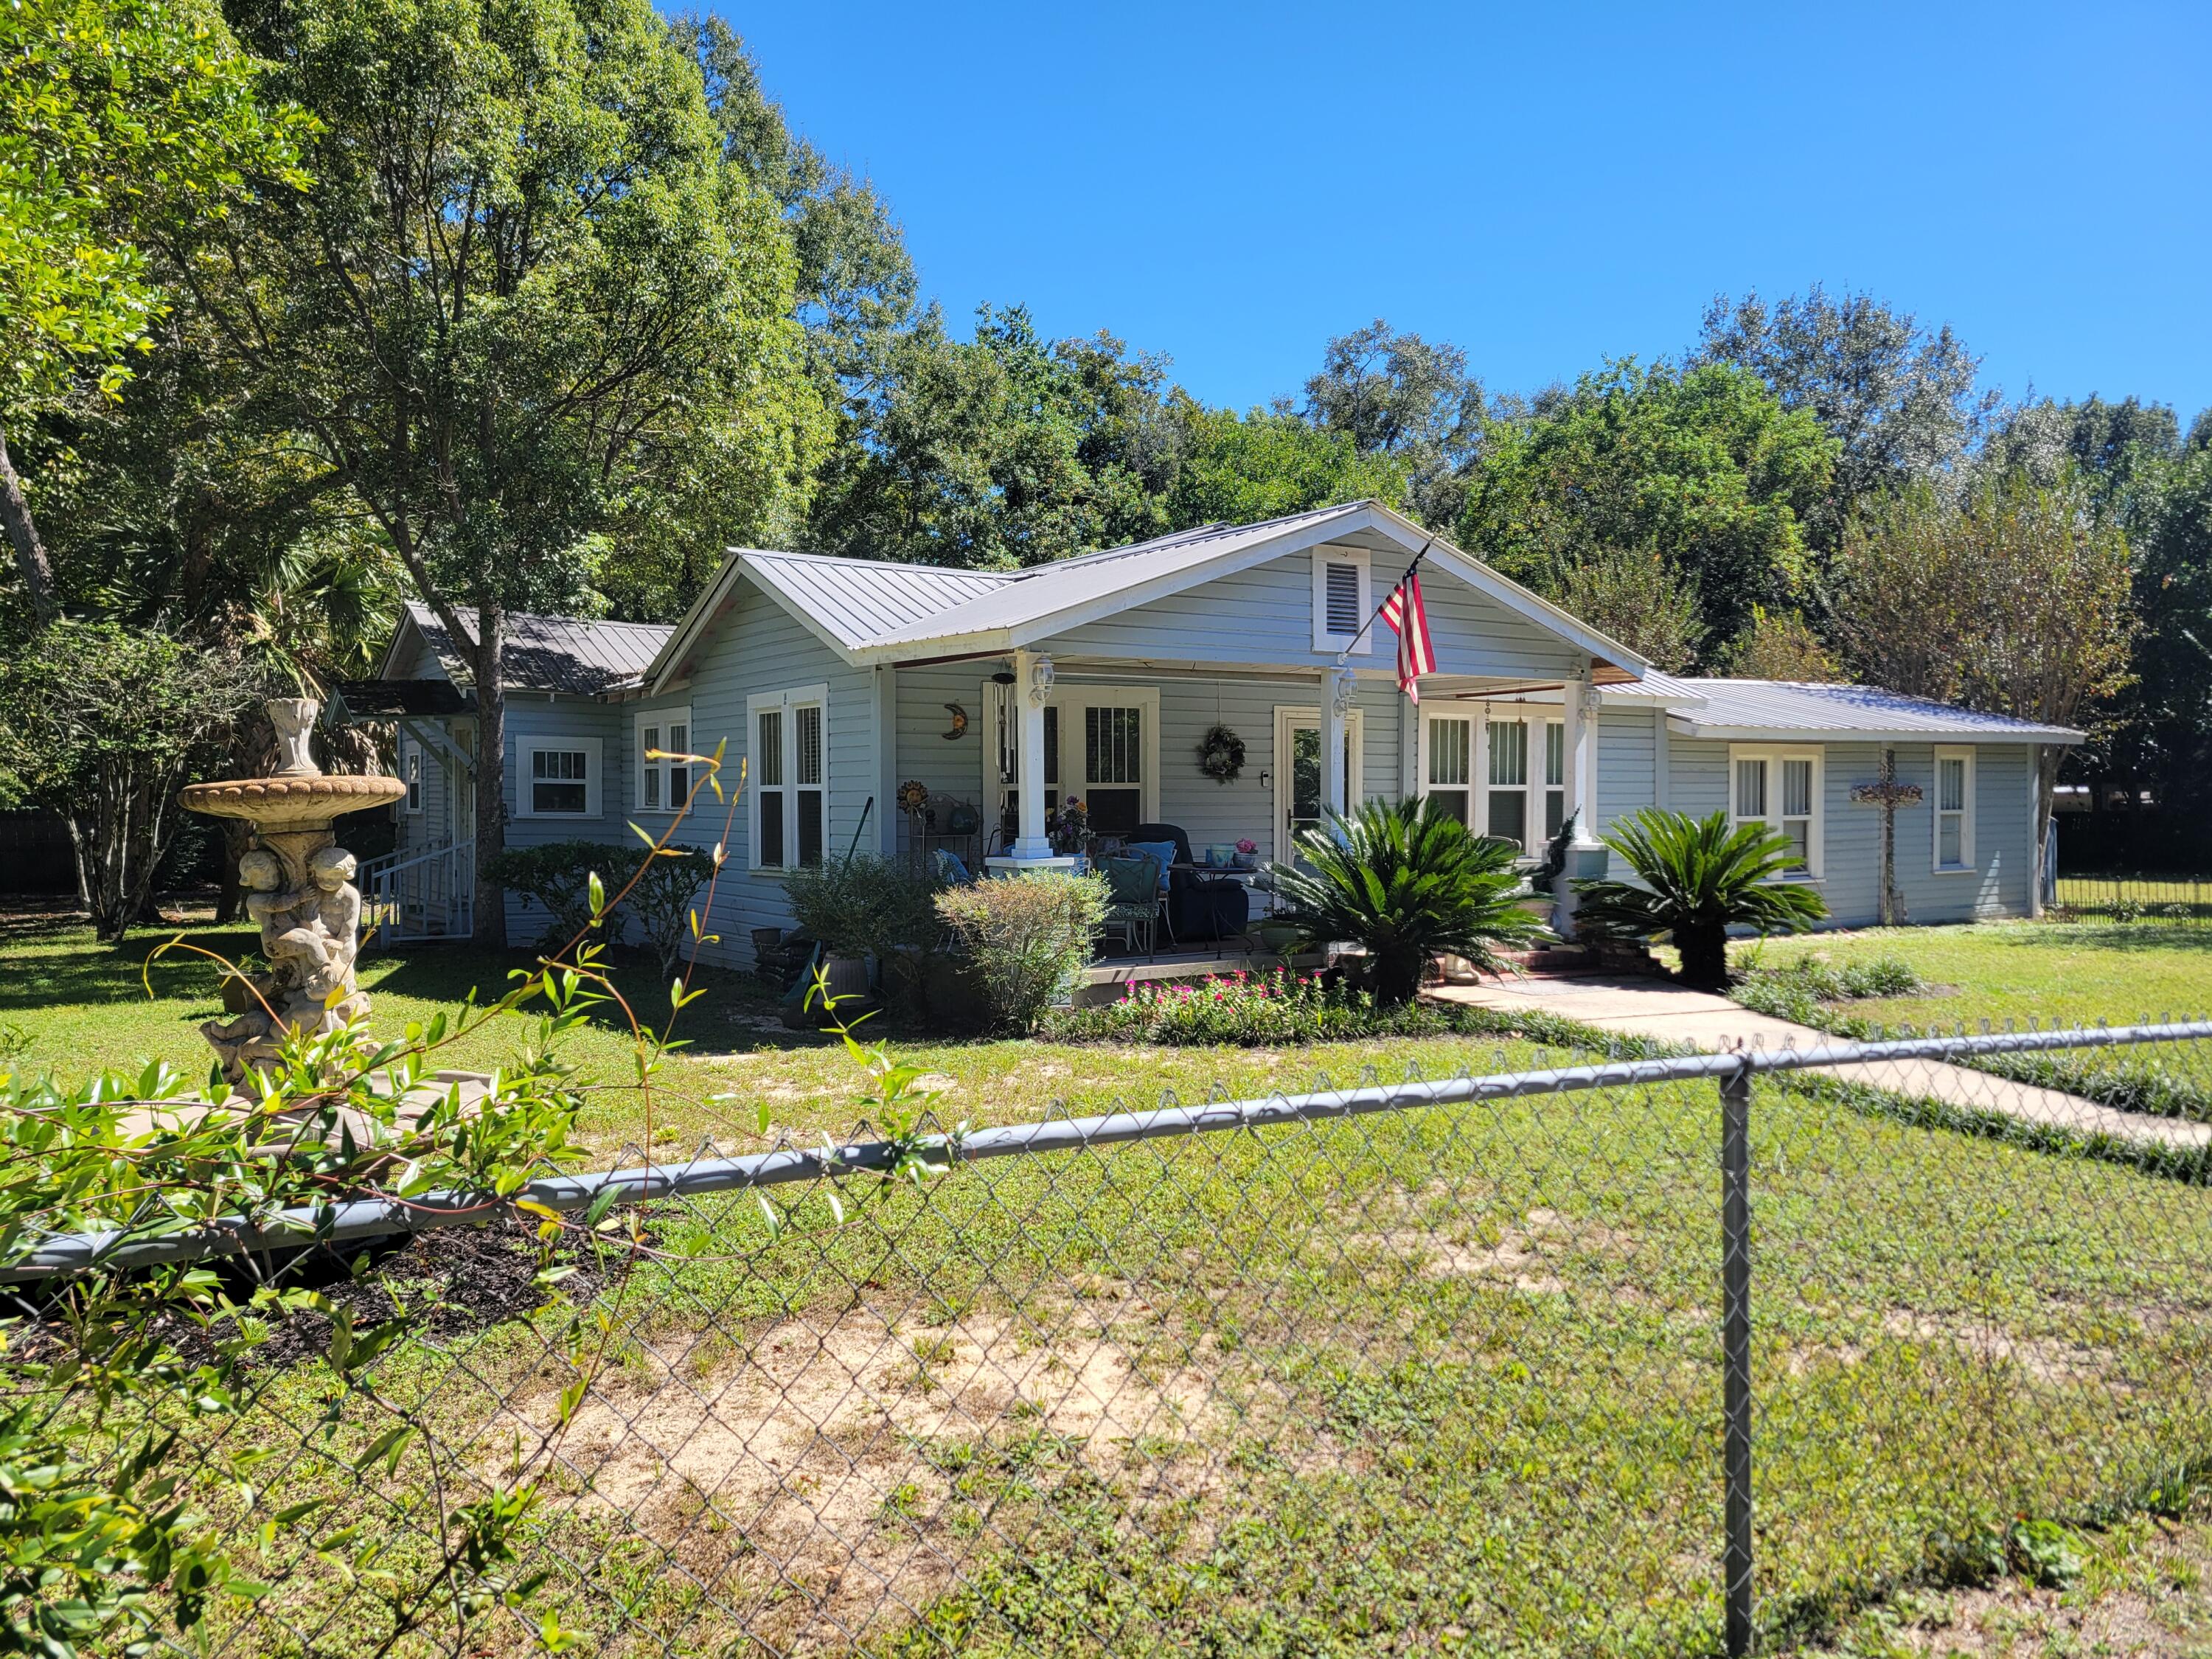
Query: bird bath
x=300, y=892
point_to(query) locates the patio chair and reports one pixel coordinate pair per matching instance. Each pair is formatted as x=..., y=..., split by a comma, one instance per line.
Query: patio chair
x=1198, y=907
x=1133, y=899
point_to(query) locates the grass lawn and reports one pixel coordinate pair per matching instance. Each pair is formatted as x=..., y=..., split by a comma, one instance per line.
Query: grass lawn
x=1442, y=1381
x=2058, y=972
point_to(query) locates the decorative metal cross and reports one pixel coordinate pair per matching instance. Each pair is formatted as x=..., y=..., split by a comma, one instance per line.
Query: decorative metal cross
x=1888, y=795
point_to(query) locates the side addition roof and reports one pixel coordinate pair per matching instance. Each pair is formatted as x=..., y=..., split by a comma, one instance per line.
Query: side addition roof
x=576, y=656
x=1766, y=710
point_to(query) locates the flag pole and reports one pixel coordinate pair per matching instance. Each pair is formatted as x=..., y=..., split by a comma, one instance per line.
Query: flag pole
x=1342, y=655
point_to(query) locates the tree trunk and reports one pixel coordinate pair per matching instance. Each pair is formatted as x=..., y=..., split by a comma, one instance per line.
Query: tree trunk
x=490, y=927
x=31, y=562
x=2047, y=757
x=1704, y=957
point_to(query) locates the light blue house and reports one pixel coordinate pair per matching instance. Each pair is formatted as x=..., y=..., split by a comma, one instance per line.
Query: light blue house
x=837, y=680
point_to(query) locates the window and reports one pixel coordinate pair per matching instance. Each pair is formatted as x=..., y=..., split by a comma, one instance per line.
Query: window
x=1781, y=788
x=1555, y=777
x=663, y=784
x=1343, y=603
x=560, y=778
x=1102, y=746
x=1298, y=771
x=789, y=776
x=1955, y=809
x=1480, y=766
x=1448, y=776
x=1505, y=814
x=410, y=768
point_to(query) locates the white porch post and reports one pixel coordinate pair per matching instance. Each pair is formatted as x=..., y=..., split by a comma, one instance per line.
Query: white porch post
x=1336, y=712
x=1579, y=734
x=1033, y=681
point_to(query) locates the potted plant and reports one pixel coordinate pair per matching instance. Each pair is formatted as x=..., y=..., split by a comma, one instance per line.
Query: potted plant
x=831, y=903
x=1248, y=853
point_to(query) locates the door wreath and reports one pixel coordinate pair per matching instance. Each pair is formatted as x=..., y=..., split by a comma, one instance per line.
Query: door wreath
x=1220, y=754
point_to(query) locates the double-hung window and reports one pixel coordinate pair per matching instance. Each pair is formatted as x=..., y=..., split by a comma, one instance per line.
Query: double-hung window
x=411, y=769
x=1483, y=769
x=663, y=782
x=1955, y=809
x=560, y=778
x=1781, y=789
x=789, y=781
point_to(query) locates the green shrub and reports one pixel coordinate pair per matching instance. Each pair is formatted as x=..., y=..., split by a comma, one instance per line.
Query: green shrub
x=2129, y=1083
x=1802, y=991
x=1407, y=882
x=1029, y=936
x=660, y=901
x=1280, y=1008
x=865, y=906
x=1700, y=876
x=556, y=877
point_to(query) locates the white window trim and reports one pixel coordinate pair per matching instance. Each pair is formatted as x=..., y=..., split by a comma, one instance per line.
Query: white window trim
x=797, y=698
x=1816, y=830
x=1958, y=752
x=1287, y=717
x=411, y=774
x=524, y=795
x=661, y=720
x=1480, y=788
x=1070, y=699
x=1334, y=644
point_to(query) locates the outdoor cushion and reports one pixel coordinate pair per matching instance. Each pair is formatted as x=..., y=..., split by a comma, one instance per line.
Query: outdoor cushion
x=1133, y=882
x=1162, y=853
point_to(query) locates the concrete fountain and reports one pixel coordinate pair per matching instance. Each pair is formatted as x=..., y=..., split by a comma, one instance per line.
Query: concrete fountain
x=300, y=892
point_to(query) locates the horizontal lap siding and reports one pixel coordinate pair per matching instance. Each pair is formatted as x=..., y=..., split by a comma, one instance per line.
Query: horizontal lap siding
x=949, y=766
x=1265, y=614
x=533, y=718
x=1626, y=747
x=759, y=648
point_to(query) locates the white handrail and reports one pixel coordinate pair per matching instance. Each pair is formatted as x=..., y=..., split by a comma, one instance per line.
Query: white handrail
x=419, y=896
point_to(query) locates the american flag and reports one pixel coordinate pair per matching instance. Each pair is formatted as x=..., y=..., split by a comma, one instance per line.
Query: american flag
x=1405, y=613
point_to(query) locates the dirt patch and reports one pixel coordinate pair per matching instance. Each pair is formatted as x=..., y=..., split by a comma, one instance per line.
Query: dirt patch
x=1526, y=1255
x=2044, y=1358
x=831, y=1474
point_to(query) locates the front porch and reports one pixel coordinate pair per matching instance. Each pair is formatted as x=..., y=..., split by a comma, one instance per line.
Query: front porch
x=1110, y=978
x=1079, y=754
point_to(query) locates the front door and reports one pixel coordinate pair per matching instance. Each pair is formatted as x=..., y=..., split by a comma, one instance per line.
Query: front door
x=1297, y=772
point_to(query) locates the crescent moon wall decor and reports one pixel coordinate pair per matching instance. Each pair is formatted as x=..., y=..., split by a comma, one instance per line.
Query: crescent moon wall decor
x=959, y=722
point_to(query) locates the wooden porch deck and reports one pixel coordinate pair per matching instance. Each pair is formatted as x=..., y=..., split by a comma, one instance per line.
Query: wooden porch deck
x=1110, y=980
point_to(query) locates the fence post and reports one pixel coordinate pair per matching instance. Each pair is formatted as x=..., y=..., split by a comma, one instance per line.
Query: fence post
x=1735, y=1351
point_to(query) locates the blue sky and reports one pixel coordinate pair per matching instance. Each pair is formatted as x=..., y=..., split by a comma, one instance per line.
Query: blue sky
x=1545, y=184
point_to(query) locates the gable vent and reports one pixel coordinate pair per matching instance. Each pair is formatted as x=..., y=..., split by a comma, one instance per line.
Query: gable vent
x=1343, y=599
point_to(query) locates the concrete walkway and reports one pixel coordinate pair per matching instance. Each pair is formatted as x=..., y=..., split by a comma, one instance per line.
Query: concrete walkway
x=1654, y=1008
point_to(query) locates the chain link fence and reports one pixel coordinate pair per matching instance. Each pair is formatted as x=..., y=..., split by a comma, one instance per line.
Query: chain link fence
x=1642, y=1358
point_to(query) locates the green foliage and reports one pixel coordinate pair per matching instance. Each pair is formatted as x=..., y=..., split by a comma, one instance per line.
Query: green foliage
x=1264, y=464
x=1701, y=467
x=103, y=724
x=1406, y=881
x=116, y=116
x=1636, y=597
x=661, y=900
x=1699, y=878
x=1029, y=936
x=1799, y=992
x=557, y=876
x=866, y=905
x=2129, y=1083
x=1264, y=1009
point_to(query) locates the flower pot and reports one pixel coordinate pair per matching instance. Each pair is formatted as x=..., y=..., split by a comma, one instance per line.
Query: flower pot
x=847, y=975
x=1279, y=937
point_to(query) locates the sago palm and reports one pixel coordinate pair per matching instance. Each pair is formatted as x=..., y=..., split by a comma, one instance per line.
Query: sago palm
x=1699, y=878
x=1406, y=881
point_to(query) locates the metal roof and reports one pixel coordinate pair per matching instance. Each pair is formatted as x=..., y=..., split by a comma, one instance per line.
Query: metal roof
x=860, y=601
x=386, y=698
x=1047, y=590
x=575, y=655
x=1764, y=708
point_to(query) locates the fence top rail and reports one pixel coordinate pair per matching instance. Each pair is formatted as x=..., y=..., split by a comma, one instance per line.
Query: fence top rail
x=63, y=1253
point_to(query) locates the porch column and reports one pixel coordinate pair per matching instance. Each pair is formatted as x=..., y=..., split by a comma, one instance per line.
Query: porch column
x=1578, y=731
x=1033, y=681
x=1336, y=715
